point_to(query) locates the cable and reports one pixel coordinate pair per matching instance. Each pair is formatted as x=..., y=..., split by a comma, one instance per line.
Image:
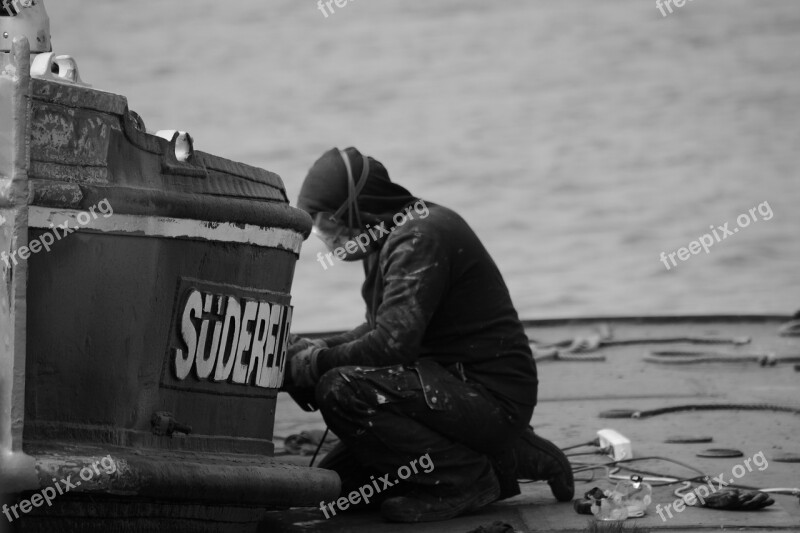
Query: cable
x=702, y=478
x=585, y=480
x=321, y=442
x=634, y=459
x=655, y=479
x=601, y=451
x=593, y=442
x=630, y=413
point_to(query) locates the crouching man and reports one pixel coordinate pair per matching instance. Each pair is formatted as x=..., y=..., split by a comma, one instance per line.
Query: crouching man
x=441, y=366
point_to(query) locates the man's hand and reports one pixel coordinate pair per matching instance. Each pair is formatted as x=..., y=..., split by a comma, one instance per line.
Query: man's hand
x=301, y=372
x=303, y=366
x=298, y=344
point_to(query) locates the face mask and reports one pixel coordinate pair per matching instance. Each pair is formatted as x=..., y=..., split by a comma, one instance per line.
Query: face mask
x=329, y=227
x=331, y=231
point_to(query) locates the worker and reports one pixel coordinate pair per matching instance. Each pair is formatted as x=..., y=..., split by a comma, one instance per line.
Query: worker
x=442, y=366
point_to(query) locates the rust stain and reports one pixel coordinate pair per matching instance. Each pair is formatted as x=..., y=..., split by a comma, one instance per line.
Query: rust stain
x=69, y=136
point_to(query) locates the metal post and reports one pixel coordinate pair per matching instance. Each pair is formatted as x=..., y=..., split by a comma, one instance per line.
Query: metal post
x=16, y=469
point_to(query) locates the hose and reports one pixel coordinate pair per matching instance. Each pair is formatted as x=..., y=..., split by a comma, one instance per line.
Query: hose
x=604, y=340
x=669, y=340
x=630, y=413
x=669, y=357
x=551, y=354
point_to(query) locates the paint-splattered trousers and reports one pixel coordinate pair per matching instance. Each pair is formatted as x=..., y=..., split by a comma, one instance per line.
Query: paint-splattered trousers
x=388, y=417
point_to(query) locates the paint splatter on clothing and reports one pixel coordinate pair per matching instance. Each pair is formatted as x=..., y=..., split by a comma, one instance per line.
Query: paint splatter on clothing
x=434, y=292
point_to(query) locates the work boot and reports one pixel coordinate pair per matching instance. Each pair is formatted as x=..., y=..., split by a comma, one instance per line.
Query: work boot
x=428, y=504
x=539, y=459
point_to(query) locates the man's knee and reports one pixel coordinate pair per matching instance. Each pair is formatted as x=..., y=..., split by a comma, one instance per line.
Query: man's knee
x=333, y=387
x=350, y=389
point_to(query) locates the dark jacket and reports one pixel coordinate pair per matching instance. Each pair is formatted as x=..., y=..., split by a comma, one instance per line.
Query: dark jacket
x=434, y=292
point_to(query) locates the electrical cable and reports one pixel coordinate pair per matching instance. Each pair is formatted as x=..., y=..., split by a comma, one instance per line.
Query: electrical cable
x=593, y=442
x=319, y=446
x=701, y=478
x=601, y=451
x=659, y=480
x=634, y=459
x=655, y=479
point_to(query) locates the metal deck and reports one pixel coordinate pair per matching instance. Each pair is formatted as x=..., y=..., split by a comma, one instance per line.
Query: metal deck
x=572, y=394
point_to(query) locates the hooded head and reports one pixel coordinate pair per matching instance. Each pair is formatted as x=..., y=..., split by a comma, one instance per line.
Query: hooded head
x=326, y=188
x=346, y=192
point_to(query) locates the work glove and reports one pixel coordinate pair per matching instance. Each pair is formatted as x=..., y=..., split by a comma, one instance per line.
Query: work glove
x=303, y=370
x=298, y=344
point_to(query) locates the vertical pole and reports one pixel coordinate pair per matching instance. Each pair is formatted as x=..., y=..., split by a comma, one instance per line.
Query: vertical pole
x=17, y=470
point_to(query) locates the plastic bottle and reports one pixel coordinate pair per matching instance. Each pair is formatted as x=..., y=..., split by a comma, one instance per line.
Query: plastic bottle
x=635, y=495
x=611, y=507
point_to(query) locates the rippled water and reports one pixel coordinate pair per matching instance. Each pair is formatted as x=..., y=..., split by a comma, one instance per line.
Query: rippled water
x=579, y=138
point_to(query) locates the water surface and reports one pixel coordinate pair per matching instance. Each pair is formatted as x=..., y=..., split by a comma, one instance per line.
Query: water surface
x=579, y=138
